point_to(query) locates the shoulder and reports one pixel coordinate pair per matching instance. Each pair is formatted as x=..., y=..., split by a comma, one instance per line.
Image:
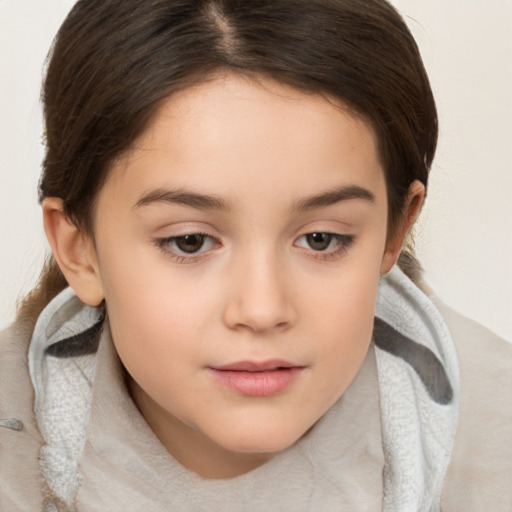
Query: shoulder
x=20, y=441
x=14, y=343
x=480, y=472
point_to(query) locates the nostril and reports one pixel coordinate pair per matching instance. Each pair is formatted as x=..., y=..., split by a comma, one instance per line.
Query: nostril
x=11, y=423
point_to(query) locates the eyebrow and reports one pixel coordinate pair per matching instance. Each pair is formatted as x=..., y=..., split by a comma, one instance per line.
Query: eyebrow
x=334, y=196
x=213, y=202
x=185, y=198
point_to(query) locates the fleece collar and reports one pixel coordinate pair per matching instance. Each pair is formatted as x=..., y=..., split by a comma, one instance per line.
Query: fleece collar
x=419, y=395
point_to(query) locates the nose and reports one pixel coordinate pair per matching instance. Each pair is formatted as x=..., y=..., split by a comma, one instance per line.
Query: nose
x=260, y=298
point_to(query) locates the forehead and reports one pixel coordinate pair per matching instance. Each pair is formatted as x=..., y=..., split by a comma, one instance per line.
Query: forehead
x=233, y=133
x=258, y=103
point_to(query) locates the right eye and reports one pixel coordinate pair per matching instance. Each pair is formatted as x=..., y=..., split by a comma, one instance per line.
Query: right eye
x=186, y=247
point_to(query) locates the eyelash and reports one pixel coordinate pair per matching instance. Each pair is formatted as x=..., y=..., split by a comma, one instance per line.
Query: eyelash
x=344, y=243
x=165, y=245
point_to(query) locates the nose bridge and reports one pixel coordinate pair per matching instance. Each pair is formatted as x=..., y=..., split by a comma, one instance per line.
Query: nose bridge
x=260, y=298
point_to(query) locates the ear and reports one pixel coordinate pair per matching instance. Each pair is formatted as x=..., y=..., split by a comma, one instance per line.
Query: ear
x=410, y=212
x=74, y=252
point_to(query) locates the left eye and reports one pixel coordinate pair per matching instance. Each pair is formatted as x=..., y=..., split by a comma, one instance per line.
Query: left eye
x=324, y=242
x=193, y=243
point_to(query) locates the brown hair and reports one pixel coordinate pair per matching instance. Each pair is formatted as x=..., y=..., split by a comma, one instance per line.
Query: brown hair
x=113, y=63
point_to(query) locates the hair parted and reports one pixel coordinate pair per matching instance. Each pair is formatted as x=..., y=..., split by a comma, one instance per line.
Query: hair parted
x=114, y=62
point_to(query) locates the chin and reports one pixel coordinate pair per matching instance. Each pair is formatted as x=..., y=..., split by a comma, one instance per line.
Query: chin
x=269, y=440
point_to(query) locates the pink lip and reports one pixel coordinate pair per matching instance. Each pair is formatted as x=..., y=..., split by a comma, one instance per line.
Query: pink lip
x=253, y=378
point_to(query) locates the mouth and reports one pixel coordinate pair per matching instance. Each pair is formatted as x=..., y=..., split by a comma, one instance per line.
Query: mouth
x=253, y=378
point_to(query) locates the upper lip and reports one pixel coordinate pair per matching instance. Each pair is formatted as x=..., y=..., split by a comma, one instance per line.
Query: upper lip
x=256, y=366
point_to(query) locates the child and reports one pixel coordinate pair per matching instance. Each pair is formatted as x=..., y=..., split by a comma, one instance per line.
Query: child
x=226, y=190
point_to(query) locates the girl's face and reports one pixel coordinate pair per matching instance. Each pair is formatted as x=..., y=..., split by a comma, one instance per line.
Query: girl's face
x=239, y=246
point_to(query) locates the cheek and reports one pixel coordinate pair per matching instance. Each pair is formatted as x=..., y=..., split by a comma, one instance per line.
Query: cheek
x=348, y=317
x=343, y=314
x=154, y=311
x=341, y=329
x=348, y=293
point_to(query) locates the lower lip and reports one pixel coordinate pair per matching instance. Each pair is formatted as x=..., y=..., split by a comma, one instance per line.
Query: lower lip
x=266, y=383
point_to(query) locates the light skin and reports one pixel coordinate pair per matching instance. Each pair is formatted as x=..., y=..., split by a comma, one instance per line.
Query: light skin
x=283, y=198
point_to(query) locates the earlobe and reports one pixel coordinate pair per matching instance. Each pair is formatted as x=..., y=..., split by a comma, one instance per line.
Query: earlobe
x=74, y=252
x=411, y=210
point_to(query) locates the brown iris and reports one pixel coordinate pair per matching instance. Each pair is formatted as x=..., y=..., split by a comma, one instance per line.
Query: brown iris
x=319, y=241
x=190, y=243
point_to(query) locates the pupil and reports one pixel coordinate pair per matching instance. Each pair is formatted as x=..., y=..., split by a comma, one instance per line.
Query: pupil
x=190, y=243
x=319, y=241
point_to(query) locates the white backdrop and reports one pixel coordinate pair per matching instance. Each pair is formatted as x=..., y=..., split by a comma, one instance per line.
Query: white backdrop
x=465, y=234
